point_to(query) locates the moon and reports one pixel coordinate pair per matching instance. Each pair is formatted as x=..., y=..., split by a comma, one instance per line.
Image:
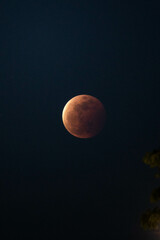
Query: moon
x=84, y=116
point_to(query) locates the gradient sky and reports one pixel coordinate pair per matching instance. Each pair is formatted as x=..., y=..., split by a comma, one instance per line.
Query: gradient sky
x=53, y=185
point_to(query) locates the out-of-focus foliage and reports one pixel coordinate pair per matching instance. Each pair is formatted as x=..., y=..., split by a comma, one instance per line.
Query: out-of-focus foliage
x=150, y=219
x=157, y=175
x=155, y=195
x=152, y=158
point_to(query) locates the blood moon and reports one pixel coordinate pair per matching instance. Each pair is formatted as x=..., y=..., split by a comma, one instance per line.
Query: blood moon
x=84, y=116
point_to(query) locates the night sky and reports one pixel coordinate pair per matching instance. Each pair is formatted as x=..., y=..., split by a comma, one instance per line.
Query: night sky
x=54, y=185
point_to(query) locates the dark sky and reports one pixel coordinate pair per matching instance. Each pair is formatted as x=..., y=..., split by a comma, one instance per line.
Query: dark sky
x=54, y=185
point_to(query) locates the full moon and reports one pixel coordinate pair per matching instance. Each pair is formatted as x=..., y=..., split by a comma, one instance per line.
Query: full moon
x=84, y=116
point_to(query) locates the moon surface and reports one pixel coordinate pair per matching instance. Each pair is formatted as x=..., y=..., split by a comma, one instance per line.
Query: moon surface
x=84, y=116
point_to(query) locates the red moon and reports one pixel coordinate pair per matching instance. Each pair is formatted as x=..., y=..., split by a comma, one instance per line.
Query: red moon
x=84, y=116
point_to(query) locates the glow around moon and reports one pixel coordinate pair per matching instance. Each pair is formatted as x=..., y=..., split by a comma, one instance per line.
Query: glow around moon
x=84, y=116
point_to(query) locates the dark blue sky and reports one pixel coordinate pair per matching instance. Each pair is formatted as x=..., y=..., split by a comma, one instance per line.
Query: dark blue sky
x=54, y=185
